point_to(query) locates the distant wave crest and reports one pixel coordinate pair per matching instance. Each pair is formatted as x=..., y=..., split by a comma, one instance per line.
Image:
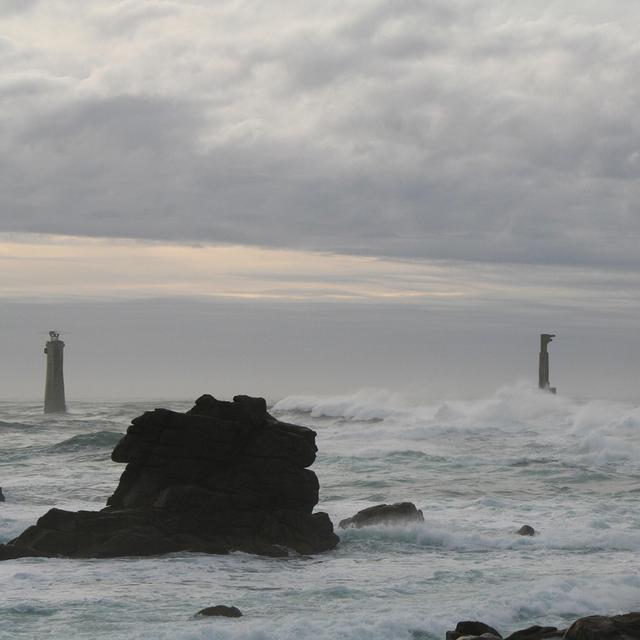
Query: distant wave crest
x=83, y=441
x=10, y=426
x=596, y=431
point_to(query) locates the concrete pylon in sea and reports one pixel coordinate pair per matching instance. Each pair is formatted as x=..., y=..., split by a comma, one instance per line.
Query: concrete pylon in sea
x=543, y=367
x=54, y=401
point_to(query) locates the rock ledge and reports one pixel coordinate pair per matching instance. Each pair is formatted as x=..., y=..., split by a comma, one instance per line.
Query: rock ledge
x=384, y=514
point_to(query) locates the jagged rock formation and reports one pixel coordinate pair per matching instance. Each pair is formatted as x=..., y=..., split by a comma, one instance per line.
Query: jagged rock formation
x=223, y=476
x=387, y=514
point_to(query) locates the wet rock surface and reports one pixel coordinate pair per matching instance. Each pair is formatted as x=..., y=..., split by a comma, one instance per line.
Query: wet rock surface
x=526, y=530
x=385, y=514
x=472, y=629
x=224, y=476
x=536, y=633
x=621, y=627
x=618, y=627
x=220, y=610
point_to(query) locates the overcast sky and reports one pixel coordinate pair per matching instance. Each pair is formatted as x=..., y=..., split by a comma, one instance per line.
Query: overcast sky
x=384, y=193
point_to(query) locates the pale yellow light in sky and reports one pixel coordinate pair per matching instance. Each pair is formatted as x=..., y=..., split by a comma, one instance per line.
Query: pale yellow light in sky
x=68, y=267
x=49, y=267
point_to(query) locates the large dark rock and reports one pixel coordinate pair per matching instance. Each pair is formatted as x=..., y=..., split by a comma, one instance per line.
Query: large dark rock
x=389, y=514
x=224, y=476
x=622, y=627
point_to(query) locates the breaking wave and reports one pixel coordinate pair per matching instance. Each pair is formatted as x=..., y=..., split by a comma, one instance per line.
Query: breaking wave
x=453, y=538
x=594, y=432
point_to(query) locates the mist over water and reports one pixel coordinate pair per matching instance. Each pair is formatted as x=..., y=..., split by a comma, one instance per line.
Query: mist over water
x=478, y=470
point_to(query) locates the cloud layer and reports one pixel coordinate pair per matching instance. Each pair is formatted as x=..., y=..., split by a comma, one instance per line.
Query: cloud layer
x=459, y=130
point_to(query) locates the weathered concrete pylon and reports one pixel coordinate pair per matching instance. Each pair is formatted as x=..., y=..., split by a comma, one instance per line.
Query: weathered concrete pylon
x=54, y=401
x=543, y=368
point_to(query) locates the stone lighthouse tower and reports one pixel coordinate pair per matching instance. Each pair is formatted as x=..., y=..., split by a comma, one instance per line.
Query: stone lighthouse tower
x=543, y=363
x=54, y=388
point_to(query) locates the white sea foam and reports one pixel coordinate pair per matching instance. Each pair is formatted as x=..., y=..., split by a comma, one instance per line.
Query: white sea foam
x=589, y=432
x=556, y=601
x=452, y=536
x=363, y=405
x=510, y=407
x=478, y=469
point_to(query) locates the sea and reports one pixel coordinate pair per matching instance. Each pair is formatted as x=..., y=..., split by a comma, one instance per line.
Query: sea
x=478, y=469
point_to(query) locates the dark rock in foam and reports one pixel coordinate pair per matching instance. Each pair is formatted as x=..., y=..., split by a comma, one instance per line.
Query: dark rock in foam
x=388, y=514
x=526, y=530
x=1, y=495
x=224, y=476
x=221, y=610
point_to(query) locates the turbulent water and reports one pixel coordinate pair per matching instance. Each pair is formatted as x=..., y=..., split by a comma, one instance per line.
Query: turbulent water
x=478, y=470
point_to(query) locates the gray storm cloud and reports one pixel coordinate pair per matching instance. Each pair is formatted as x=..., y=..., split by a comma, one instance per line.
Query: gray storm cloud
x=485, y=131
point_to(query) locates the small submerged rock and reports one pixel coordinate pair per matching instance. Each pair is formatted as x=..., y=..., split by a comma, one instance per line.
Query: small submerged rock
x=388, y=514
x=526, y=530
x=1, y=495
x=221, y=610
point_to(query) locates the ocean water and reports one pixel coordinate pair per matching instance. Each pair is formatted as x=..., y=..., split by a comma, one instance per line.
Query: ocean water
x=478, y=470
